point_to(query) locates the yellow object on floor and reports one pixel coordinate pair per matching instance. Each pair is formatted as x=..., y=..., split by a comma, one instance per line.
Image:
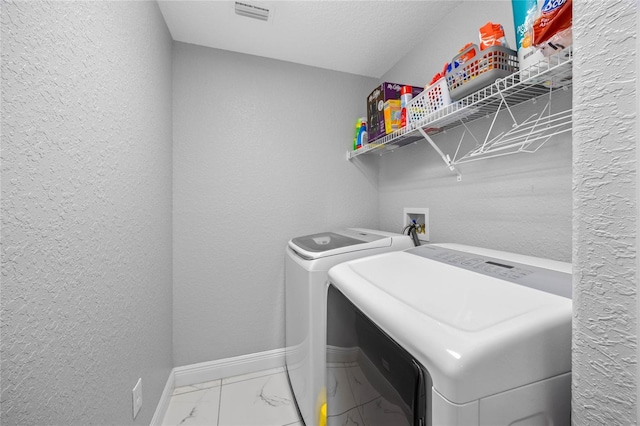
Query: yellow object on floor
x=323, y=415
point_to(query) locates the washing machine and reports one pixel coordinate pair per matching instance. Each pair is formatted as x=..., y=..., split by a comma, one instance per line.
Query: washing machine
x=446, y=334
x=308, y=258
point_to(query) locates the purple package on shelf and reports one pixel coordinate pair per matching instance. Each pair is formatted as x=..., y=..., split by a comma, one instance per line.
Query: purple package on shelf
x=375, y=106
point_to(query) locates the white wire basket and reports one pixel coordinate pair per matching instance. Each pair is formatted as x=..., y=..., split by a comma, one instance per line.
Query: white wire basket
x=430, y=100
x=481, y=70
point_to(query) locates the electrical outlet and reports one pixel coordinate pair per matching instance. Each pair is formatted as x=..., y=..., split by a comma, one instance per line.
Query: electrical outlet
x=421, y=216
x=137, y=397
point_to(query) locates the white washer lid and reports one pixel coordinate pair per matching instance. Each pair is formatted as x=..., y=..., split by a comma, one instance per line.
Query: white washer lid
x=332, y=243
x=476, y=334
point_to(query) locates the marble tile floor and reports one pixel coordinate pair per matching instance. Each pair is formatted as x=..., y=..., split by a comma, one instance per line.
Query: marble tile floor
x=353, y=401
x=261, y=399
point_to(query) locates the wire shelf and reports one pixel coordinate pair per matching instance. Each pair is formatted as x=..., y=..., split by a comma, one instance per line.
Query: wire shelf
x=555, y=73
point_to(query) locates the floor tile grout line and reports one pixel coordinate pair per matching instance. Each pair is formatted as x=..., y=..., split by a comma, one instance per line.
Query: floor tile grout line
x=256, y=377
x=197, y=390
x=219, y=404
x=297, y=422
x=221, y=384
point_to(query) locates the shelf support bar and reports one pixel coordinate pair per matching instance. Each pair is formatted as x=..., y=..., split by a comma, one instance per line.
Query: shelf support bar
x=444, y=157
x=504, y=102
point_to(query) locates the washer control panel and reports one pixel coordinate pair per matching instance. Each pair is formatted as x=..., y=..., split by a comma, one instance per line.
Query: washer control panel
x=489, y=267
x=547, y=280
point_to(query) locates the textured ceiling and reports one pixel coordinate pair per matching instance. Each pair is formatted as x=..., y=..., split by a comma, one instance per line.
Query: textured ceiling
x=358, y=37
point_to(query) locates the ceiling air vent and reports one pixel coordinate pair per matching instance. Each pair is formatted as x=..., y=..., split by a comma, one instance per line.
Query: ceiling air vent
x=252, y=11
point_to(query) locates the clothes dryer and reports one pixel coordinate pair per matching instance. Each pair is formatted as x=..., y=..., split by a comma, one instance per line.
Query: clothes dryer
x=307, y=260
x=449, y=335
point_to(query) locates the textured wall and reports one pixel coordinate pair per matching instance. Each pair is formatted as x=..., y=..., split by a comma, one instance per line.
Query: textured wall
x=86, y=211
x=519, y=203
x=605, y=376
x=259, y=158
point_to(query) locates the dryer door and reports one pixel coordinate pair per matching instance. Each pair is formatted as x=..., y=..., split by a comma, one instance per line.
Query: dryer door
x=371, y=380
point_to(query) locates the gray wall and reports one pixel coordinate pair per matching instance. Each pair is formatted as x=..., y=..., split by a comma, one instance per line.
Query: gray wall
x=259, y=158
x=606, y=139
x=519, y=203
x=86, y=211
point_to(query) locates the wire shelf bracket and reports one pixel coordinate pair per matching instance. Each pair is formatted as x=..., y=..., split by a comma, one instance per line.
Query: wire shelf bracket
x=445, y=157
x=527, y=136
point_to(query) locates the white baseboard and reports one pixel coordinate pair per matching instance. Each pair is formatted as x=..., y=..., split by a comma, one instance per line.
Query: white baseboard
x=339, y=354
x=163, y=404
x=213, y=370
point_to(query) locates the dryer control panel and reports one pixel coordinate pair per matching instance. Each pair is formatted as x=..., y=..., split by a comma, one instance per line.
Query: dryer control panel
x=548, y=280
